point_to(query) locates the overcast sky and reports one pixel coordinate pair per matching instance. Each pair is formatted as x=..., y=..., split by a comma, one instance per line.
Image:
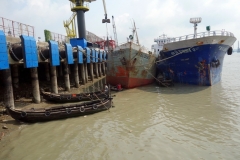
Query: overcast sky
x=152, y=17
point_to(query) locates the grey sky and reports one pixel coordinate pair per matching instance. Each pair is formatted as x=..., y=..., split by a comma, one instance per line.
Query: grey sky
x=153, y=17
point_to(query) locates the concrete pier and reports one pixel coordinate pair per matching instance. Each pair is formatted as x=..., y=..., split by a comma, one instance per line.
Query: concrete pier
x=35, y=85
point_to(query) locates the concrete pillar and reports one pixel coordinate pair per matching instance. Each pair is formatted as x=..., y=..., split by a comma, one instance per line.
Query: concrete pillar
x=66, y=77
x=15, y=76
x=104, y=68
x=76, y=77
x=99, y=69
x=8, y=89
x=86, y=72
x=54, y=85
x=35, y=85
x=96, y=69
x=83, y=74
x=91, y=71
x=47, y=71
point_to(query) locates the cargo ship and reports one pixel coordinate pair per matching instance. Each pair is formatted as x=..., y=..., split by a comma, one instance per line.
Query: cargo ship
x=193, y=59
x=130, y=64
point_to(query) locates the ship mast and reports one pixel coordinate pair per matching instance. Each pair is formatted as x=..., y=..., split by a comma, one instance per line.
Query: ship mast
x=195, y=21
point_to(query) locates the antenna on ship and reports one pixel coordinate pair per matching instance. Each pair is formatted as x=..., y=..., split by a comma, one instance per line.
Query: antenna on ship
x=106, y=20
x=195, y=21
x=134, y=32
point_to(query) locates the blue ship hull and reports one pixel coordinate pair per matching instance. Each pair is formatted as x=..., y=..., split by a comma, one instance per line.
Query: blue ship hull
x=198, y=65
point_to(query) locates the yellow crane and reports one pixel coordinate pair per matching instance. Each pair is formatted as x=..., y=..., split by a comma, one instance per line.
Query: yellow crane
x=70, y=26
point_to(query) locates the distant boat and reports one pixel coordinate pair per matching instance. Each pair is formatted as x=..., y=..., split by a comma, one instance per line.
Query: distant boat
x=193, y=59
x=130, y=64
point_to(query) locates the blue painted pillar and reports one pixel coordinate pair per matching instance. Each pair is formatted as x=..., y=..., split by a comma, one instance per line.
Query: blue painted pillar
x=6, y=72
x=100, y=63
x=68, y=60
x=92, y=59
x=96, y=63
x=30, y=57
x=103, y=63
x=54, y=61
x=81, y=64
x=86, y=64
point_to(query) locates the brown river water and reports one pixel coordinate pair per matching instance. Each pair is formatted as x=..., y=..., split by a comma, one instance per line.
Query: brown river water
x=150, y=122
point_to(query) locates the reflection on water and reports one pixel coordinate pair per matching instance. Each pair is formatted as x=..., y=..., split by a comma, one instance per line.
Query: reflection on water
x=182, y=122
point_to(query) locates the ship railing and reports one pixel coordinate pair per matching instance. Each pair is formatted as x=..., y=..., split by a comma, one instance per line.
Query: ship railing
x=198, y=35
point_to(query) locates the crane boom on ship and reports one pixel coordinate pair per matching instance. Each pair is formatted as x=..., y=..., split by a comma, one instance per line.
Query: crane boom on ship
x=106, y=20
x=114, y=31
